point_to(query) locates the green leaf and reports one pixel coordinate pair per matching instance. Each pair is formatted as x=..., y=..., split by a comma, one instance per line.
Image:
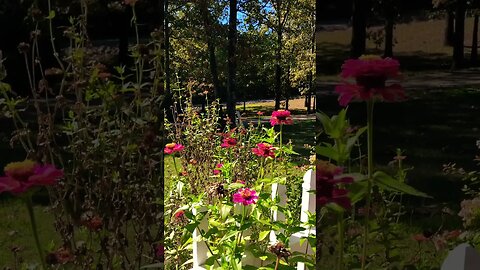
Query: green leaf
x=358, y=190
x=225, y=210
x=351, y=141
x=262, y=235
x=235, y=186
x=327, y=151
x=51, y=15
x=326, y=123
x=385, y=181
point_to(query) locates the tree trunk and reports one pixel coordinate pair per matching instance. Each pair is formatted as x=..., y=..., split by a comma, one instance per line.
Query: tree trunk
x=458, y=48
x=389, y=24
x=449, y=28
x=474, y=54
x=232, y=43
x=278, y=56
x=359, y=28
x=207, y=24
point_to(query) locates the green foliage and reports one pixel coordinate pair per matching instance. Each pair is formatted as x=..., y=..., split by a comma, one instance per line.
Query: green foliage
x=233, y=228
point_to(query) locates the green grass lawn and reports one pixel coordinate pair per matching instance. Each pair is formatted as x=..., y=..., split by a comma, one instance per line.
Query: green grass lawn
x=15, y=231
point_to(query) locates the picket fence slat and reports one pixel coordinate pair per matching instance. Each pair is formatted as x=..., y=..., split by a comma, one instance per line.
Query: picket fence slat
x=463, y=257
x=200, y=250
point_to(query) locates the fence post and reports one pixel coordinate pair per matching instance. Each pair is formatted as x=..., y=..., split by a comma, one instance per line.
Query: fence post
x=463, y=257
x=278, y=190
x=200, y=250
x=308, y=206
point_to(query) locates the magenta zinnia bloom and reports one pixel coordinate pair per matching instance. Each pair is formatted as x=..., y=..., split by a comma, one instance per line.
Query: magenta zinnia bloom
x=264, y=150
x=281, y=117
x=229, y=142
x=171, y=148
x=371, y=74
x=245, y=196
x=219, y=166
x=21, y=176
x=160, y=251
x=327, y=176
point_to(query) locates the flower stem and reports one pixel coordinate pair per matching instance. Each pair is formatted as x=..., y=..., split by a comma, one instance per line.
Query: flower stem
x=369, y=180
x=175, y=165
x=34, y=230
x=277, y=263
x=341, y=240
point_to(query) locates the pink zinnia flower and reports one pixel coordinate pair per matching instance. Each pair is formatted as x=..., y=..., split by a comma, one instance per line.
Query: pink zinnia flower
x=281, y=117
x=171, y=148
x=179, y=214
x=229, y=142
x=371, y=74
x=264, y=150
x=21, y=176
x=420, y=237
x=219, y=166
x=327, y=177
x=245, y=196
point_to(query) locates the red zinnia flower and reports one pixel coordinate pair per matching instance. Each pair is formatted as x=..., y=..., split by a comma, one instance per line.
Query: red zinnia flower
x=264, y=150
x=160, y=251
x=21, y=176
x=179, y=214
x=171, y=148
x=327, y=178
x=281, y=117
x=420, y=237
x=64, y=255
x=229, y=142
x=95, y=223
x=371, y=74
x=245, y=196
x=219, y=166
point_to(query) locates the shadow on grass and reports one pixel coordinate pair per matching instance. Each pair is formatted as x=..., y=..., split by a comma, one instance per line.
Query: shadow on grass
x=330, y=57
x=435, y=129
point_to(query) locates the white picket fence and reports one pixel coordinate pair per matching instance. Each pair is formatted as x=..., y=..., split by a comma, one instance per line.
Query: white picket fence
x=463, y=257
x=201, y=252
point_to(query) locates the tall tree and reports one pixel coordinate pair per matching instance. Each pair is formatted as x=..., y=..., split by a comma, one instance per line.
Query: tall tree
x=458, y=46
x=449, y=6
x=449, y=27
x=390, y=13
x=208, y=25
x=359, y=27
x=474, y=53
x=232, y=65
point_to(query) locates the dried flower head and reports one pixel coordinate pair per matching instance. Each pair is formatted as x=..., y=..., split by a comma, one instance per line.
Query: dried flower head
x=280, y=250
x=23, y=47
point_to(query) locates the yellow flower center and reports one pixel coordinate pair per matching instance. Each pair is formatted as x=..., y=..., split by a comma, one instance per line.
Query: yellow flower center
x=170, y=145
x=20, y=170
